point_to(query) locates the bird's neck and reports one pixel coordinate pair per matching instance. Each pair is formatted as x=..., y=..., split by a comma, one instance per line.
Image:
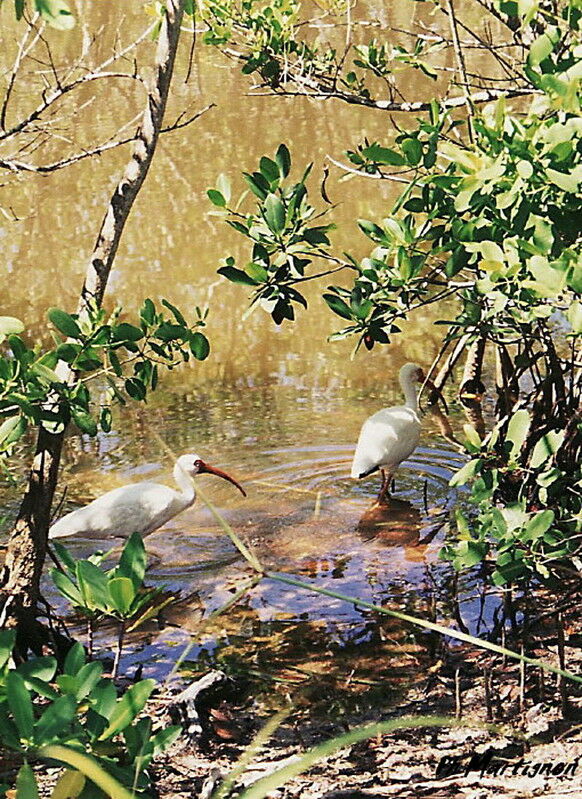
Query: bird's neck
x=410, y=396
x=185, y=484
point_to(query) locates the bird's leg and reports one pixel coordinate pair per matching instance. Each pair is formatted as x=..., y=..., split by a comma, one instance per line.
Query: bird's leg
x=384, y=490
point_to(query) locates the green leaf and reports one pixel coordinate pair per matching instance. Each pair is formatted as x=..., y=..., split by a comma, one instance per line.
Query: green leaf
x=75, y=659
x=549, y=281
x=105, y=419
x=39, y=668
x=257, y=272
x=574, y=278
x=7, y=639
x=199, y=346
x=26, y=787
x=257, y=184
x=546, y=447
x=65, y=557
x=122, y=593
x=412, y=148
x=237, y=276
x=472, y=436
x=58, y=715
x=64, y=322
x=517, y=430
x=92, y=585
x=383, y=155
x=20, y=704
x=148, y=311
x=11, y=430
x=469, y=553
x=126, y=332
x=175, y=312
x=466, y=473
x=223, y=186
x=543, y=46
x=269, y=169
x=90, y=767
x=69, y=785
x=56, y=13
x=133, y=561
x=135, y=388
x=371, y=230
x=283, y=159
x=538, y=525
x=274, y=213
x=87, y=678
x=574, y=316
x=216, y=198
x=567, y=181
x=104, y=698
x=66, y=587
x=9, y=326
x=84, y=421
x=338, y=306
x=128, y=707
x=164, y=738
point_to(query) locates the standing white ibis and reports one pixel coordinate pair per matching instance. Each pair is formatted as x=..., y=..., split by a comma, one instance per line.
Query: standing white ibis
x=139, y=507
x=391, y=435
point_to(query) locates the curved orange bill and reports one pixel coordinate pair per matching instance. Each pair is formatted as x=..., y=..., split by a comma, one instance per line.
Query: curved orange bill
x=429, y=384
x=206, y=468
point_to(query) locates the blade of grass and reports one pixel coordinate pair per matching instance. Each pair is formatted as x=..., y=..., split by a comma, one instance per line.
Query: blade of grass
x=249, y=556
x=260, y=739
x=266, y=785
x=429, y=625
x=206, y=622
x=89, y=767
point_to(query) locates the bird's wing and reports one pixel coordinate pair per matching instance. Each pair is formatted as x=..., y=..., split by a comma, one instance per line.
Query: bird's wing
x=386, y=439
x=140, y=508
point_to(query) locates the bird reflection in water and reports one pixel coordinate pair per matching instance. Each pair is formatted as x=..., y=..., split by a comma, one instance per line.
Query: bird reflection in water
x=398, y=524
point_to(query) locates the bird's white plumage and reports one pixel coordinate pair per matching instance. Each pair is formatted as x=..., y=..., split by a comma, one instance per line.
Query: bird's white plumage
x=140, y=507
x=391, y=435
x=386, y=439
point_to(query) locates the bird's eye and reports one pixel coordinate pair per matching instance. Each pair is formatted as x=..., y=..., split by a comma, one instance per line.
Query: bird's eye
x=198, y=463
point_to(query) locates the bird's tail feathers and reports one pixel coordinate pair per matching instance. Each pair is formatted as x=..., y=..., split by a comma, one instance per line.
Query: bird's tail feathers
x=359, y=471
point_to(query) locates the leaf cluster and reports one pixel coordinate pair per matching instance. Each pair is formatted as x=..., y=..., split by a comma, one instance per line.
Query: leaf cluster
x=79, y=709
x=53, y=387
x=118, y=593
x=284, y=241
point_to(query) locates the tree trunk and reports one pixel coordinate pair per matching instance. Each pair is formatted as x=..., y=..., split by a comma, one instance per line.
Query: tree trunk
x=28, y=539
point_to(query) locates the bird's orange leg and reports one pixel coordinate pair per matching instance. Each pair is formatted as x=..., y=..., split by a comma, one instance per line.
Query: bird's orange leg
x=384, y=496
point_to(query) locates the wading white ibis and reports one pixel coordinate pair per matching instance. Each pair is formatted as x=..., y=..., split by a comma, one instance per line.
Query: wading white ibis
x=391, y=435
x=139, y=507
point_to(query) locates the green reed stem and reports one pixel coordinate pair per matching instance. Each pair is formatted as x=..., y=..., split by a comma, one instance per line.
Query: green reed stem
x=428, y=625
x=266, y=785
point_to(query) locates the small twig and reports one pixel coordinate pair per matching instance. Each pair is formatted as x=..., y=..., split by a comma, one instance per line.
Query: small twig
x=458, y=704
x=562, y=660
x=461, y=65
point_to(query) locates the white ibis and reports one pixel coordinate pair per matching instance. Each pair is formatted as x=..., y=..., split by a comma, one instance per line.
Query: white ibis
x=391, y=435
x=139, y=507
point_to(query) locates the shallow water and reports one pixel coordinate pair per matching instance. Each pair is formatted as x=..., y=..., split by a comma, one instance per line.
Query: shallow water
x=279, y=408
